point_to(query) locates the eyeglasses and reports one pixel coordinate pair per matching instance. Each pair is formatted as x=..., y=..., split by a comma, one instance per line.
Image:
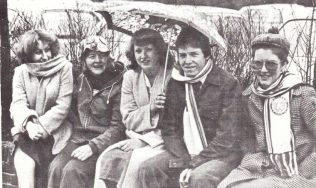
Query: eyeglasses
x=270, y=65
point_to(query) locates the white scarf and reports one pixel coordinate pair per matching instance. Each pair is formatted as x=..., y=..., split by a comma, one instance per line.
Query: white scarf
x=277, y=122
x=45, y=69
x=194, y=135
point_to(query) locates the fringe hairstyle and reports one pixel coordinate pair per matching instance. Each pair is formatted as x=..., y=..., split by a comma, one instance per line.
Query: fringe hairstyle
x=29, y=41
x=148, y=36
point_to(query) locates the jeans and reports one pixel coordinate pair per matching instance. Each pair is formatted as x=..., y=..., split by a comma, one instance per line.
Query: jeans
x=155, y=173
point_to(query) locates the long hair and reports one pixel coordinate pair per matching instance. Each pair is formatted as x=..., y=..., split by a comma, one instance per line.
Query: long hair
x=29, y=41
x=147, y=36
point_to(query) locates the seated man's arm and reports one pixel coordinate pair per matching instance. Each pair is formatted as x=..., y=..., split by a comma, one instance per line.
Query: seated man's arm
x=171, y=122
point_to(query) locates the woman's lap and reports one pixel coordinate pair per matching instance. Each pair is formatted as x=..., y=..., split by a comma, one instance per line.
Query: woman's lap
x=63, y=157
x=112, y=164
x=277, y=182
x=39, y=151
x=65, y=160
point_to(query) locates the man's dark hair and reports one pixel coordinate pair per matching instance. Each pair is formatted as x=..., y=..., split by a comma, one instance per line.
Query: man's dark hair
x=192, y=37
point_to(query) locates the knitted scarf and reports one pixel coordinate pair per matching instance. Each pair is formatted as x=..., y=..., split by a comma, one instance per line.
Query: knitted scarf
x=277, y=123
x=98, y=82
x=191, y=116
x=47, y=68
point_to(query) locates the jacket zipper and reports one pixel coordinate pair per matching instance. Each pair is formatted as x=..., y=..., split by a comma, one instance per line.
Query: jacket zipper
x=87, y=119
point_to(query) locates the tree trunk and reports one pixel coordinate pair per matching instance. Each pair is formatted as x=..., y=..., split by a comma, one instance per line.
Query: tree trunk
x=6, y=88
x=310, y=47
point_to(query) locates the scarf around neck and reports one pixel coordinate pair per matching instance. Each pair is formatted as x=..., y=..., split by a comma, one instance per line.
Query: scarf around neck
x=192, y=123
x=99, y=81
x=47, y=68
x=280, y=139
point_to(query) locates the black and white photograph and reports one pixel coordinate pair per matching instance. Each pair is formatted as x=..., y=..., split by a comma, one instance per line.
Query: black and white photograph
x=158, y=94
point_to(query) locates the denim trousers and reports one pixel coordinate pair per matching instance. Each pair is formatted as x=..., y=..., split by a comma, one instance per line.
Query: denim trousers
x=155, y=173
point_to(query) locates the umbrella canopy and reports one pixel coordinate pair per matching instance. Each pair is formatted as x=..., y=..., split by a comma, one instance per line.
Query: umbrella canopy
x=167, y=15
x=231, y=4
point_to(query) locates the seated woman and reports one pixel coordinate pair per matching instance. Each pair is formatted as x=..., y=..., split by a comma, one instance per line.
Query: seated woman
x=95, y=115
x=280, y=139
x=141, y=103
x=41, y=98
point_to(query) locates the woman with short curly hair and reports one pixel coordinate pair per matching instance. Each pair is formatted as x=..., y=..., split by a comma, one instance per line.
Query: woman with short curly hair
x=42, y=89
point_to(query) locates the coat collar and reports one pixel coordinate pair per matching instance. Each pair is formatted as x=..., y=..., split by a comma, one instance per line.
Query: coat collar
x=214, y=77
x=82, y=81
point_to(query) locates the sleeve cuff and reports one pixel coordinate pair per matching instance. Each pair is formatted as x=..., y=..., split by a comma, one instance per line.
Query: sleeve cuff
x=93, y=147
x=30, y=118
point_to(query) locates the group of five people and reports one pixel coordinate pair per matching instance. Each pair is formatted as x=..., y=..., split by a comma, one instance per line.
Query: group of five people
x=186, y=121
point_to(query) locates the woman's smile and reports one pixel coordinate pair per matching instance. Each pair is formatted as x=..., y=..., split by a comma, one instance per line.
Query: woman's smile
x=146, y=56
x=265, y=73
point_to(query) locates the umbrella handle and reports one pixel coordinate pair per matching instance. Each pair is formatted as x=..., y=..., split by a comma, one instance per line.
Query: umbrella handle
x=166, y=63
x=165, y=70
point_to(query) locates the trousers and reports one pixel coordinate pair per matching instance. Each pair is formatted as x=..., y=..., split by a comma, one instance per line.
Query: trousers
x=68, y=172
x=155, y=173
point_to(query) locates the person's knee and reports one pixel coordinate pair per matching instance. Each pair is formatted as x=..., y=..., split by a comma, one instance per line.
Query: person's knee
x=55, y=168
x=151, y=172
x=197, y=176
x=72, y=171
x=99, y=161
x=147, y=168
x=149, y=175
x=22, y=159
x=200, y=179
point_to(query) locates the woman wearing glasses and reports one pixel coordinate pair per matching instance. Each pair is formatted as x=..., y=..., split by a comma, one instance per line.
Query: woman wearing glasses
x=280, y=138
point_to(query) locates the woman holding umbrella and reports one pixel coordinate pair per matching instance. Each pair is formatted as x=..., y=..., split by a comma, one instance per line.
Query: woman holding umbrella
x=142, y=100
x=281, y=133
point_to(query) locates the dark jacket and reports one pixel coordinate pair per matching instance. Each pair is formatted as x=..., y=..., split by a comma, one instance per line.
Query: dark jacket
x=97, y=119
x=220, y=111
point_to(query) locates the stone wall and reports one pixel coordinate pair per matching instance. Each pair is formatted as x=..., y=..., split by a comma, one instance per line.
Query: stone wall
x=9, y=179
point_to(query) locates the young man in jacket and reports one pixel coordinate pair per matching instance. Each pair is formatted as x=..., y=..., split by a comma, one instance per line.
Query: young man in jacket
x=200, y=124
x=95, y=114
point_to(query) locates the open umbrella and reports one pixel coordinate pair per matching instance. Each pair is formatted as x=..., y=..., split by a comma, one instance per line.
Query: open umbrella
x=167, y=15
